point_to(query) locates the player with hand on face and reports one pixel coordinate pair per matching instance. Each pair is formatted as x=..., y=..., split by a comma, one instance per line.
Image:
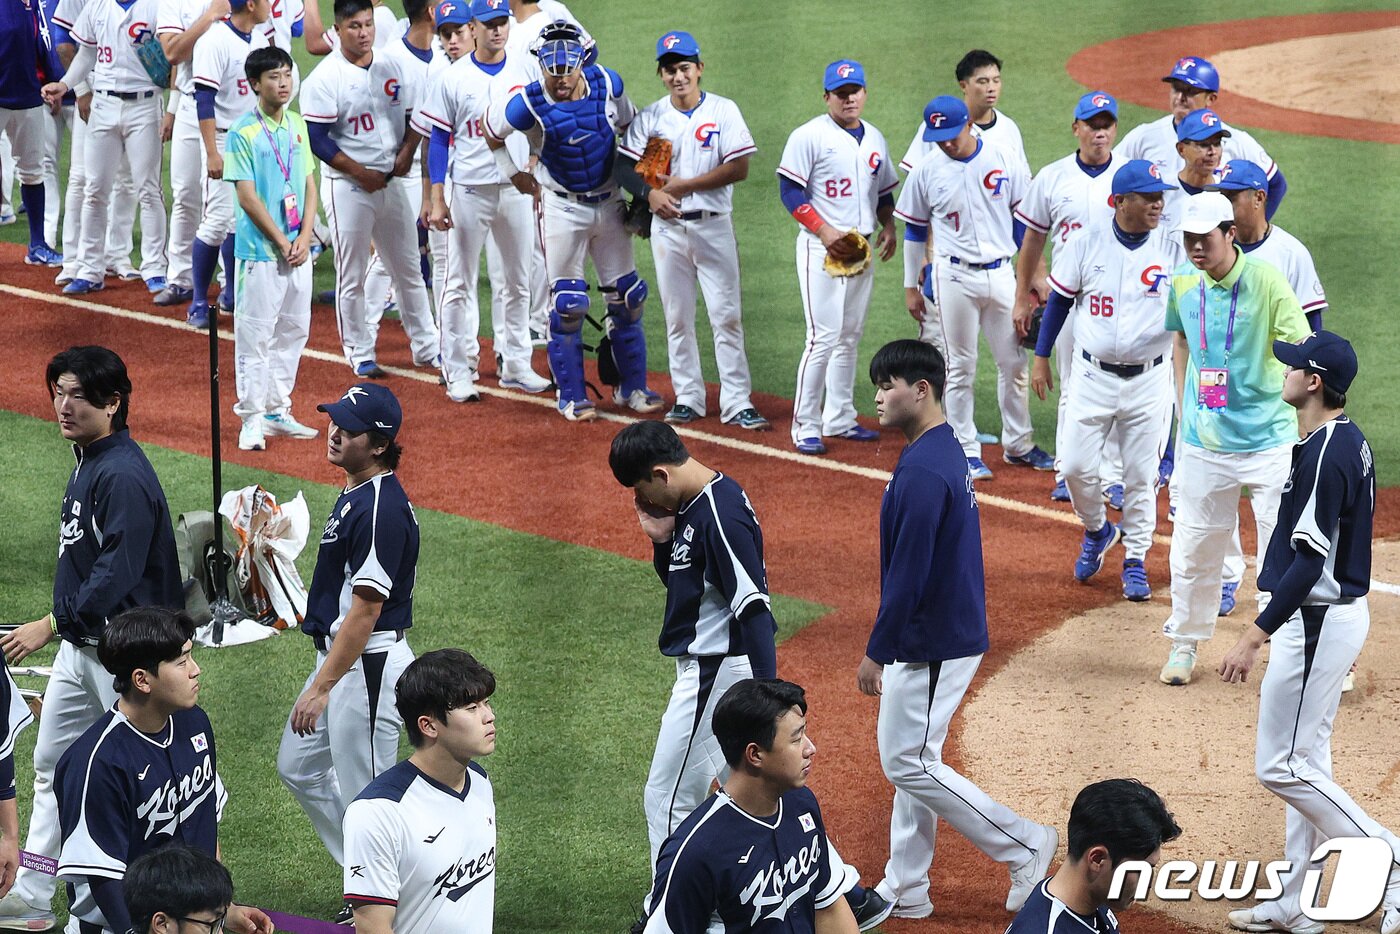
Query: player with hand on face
x=154, y=749
x=1111, y=822
x=835, y=176
x=755, y=854
x=692, y=238
x=1318, y=569
x=577, y=111
x=420, y=840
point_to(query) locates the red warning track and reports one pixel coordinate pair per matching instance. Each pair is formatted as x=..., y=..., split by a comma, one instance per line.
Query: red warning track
x=1132, y=69
x=522, y=467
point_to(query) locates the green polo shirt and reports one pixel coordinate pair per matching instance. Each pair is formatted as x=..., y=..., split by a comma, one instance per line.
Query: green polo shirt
x=1255, y=418
x=249, y=156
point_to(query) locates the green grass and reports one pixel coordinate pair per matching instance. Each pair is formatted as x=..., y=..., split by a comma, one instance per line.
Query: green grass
x=768, y=57
x=570, y=633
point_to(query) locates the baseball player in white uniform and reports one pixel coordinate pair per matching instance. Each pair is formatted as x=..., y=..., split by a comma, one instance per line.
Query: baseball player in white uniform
x=355, y=110
x=1068, y=194
x=485, y=203
x=971, y=188
x=835, y=176
x=692, y=236
x=125, y=118
x=1195, y=84
x=1112, y=279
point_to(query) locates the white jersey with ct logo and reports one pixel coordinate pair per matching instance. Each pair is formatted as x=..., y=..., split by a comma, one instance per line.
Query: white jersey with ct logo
x=1063, y=198
x=1156, y=142
x=1003, y=132
x=365, y=108
x=972, y=200
x=843, y=178
x=172, y=18
x=420, y=77
x=458, y=101
x=1286, y=253
x=701, y=140
x=218, y=60
x=115, y=33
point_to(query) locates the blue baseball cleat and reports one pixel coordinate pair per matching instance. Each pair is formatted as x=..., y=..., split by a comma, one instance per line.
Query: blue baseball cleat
x=978, y=469
x=83, y=287
x=1113, y=496
x=858, y=433
x=810, y=446
x=1092, y=551
x=1035, y=458
x=1135, y=586
x=369, y=369
x=41, y=254
x=198, y=315
x=155, y=285
x=1060, y=494
x=1227, y=597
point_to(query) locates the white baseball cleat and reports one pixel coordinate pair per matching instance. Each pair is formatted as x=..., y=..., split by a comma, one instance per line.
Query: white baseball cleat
x=578, y=411
x=526, y=380
x=16, y=915
x=463, y=391
x=1025, y=877
x=640, y=400
x=282, y=423
x=251, y=436
x=1251, y=919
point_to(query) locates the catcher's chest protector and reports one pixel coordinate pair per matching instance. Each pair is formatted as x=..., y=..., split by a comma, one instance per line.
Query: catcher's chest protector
x=579, y=142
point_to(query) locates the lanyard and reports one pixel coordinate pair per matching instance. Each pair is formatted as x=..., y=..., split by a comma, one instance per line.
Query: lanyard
x=287, y=175
x=1230, y=325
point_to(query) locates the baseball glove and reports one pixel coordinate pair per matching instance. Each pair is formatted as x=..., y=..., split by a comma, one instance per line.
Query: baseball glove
x=655, y=161
x=153, y=59
x=636, y=218
x=849, y=256
x=1033, y=335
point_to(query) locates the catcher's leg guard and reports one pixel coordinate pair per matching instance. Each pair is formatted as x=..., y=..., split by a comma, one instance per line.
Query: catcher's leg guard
x=565, y=348
x=629, y=343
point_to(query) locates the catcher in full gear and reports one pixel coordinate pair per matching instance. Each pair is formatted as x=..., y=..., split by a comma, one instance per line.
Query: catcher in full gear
x=576, y=113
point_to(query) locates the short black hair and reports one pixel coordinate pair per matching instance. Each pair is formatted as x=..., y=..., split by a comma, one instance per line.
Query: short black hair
x=417, y=10
x=641, y=446
x=671, y=58
x=977, y=58
x=749, y=713
x=911, y=361
x=1122, y=815
x=177, y=880
x=344, y=9
x=439, y=681
x=100, y=372
x=393, y=451
x=142, y=638
x=268, y=58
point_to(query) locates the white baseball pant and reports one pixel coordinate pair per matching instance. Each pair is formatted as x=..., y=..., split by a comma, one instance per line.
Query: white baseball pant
x=539, y=280
x=918, y=700
x=835, y=309
x=24, y=133
x=703, y=251
x=122, y=219
x=977, y=301
x=379, y=288
x=55, y=125
x=1132, y=415
x=494, y=275
x=389, y=218
x=1233, y=569
x=269, y=332
x=574, y=232
x=7, y=175
x=216, y=220
x=187, y=176
x=356, y=738
x=437, y=248
x=687, y=757
x=1211, y=483
x=133, y=127
x=480, y=213
x=79, y=691
x=1111, y=464
x=1309, y=656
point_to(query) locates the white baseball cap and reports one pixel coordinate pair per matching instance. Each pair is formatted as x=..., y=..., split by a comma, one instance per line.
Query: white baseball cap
x=1204, y=212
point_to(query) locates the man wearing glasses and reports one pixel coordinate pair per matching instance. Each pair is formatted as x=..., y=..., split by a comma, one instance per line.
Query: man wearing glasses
x=178, y=890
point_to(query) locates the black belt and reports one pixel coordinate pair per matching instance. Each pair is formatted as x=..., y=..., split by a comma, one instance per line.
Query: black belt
x=129, y=95
x=322, y=645
x=698, y=215
x=975, y=266
x=583, y=199
x=1125, y=370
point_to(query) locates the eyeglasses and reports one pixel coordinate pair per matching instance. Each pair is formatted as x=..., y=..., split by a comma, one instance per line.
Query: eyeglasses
x=214, y=927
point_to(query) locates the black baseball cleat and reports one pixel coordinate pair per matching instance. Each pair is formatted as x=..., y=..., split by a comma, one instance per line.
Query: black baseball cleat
x=345, y=916
x=870, y=910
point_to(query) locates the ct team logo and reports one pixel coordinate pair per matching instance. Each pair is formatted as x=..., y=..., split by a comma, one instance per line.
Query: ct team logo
x=495, y=4
x=446, y=10
x=671, y=41
x=937, y=119
x=391, y=89
x=1209, y=118
x=1155, y=171
x=705, y=134
x=1102, y=100
x=993, y=181
x=1153, y=277
x=1223, y=172
x=1186, y=64
x=874, y=162
x=139, y=32
x=845, y=71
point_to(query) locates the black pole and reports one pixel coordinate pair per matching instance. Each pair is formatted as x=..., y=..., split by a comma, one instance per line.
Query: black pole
x=221, y=608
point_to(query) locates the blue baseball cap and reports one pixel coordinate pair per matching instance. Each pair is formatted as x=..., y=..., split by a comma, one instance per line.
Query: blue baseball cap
x=484, y=11
x=1138, y=176
x=366, y=407
x=1329, y=355
x=1095, y=103
x=1200, y=125
x=842, y=72
x=452, y=13
x=1240, y=175
x=677, y=43
x=1196, y=72
x=944, y=118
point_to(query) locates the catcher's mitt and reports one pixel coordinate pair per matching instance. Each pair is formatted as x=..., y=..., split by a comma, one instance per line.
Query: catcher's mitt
x=655, y=161
x=636, y=218
x=849, y=256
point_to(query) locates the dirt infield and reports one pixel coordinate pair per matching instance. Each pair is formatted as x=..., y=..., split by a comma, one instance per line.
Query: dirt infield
x=487, y=462
x=1280, y=73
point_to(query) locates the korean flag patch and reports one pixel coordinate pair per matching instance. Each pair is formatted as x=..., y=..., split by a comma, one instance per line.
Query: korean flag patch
x=202, y=745
x=806, y=821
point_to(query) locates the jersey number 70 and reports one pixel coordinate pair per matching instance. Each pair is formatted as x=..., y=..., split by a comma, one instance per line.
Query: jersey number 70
x=362, y=123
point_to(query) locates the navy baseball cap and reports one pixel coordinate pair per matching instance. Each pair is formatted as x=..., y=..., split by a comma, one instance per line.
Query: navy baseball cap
x=1095, y=103
x=366, y=407
x=677, y=43
x=944, y=118
x=1240, y=175
x=1200, y=125
x=484, y=11
x=842, y=72
x=1328, y=355
x=452, y=13
x=1139, y=176
x=1196, y=72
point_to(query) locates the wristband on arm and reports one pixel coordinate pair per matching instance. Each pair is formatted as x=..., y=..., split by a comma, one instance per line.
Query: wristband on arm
x=808, y=217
